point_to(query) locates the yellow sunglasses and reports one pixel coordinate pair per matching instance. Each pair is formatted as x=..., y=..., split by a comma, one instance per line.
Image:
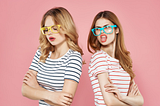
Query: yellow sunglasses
x=53, y=28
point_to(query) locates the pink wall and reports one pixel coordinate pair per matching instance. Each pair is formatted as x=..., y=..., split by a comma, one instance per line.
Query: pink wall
x=20, y=23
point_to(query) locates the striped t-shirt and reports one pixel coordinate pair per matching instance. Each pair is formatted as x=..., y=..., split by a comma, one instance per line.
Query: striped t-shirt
x=102, y=62
x=53, y=72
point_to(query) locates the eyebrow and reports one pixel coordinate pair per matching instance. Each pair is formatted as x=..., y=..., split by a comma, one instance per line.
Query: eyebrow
x=101, y=27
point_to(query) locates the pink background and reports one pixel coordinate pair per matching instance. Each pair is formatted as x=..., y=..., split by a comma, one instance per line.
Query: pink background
x=19, y=28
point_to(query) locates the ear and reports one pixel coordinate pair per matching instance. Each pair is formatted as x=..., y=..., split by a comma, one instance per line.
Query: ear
x=117, y=30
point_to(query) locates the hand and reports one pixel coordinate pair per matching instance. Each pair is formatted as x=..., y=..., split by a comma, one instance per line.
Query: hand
x=61, y=98
x=111, y=88
x=133, y=90
x=30, y=79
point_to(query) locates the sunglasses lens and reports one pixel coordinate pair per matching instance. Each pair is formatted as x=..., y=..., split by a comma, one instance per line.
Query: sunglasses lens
x=108, y=29
x=44, y=30
x=96, y=31
x=54, y=29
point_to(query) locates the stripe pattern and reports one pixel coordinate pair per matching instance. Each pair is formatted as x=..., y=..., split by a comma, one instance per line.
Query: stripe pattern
x=102, y=62
x=53, y=72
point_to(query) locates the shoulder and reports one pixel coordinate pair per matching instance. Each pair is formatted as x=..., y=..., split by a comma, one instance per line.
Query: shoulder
x=98, y=63
x=74, y=54
x=99, y=55
x=38, y=52
x=73, y=57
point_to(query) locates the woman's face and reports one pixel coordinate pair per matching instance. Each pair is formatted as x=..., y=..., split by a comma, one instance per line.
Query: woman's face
x=54, y=38
x=103, y=38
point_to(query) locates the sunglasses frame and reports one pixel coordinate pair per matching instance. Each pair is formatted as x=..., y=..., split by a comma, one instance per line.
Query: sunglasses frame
x=50, y=28
x=103, y=29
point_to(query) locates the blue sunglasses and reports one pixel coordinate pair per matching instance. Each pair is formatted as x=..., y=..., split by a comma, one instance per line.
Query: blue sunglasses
x=106, y=29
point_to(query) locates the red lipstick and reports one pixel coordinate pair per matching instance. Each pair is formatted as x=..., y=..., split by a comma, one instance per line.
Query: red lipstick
x=52, y=38
x=103, y=38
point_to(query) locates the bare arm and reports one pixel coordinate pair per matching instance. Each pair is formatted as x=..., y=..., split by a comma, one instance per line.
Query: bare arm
x=70, y=87
x=33, y=93
x=109, y=98
x=32, y=90
x=134, y=97
x=29, y=87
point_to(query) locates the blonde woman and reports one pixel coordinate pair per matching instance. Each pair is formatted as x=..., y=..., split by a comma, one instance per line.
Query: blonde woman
x=55, y=70
x=110, y=69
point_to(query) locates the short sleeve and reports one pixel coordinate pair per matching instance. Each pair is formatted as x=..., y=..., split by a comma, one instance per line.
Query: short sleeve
x=99, y=64
x=34, y=64
x=74, y=66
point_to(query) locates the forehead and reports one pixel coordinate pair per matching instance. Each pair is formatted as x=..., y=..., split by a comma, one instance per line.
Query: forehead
x=102, y=21
x=49, y=21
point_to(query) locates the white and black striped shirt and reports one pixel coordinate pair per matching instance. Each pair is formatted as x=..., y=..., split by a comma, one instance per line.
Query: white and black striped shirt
x=53, y=72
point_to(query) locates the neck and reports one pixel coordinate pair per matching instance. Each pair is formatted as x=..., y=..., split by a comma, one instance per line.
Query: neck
x=110, y=49
x=60, y=50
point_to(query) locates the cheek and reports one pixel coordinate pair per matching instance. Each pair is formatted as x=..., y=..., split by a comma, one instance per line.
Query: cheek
x=47, y=38
x=98, y=37
x=62, y=36
x=111, y=37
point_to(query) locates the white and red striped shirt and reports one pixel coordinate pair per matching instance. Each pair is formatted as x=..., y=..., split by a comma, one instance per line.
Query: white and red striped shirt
x=102, y=62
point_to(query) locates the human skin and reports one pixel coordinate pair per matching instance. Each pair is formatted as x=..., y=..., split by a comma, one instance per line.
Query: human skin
x=30, y=87
x=111, y=94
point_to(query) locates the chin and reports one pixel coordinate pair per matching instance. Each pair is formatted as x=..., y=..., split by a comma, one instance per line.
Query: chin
x=53, y=44
x=104, y=43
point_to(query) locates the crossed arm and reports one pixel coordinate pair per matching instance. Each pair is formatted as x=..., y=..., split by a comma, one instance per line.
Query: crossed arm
x=32, y=90
x=112, y=96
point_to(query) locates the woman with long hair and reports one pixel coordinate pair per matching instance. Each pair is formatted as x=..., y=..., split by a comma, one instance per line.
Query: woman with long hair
x=55, y=70
x=110, y=68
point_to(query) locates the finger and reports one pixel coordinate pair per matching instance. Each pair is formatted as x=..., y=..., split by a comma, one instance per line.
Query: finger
x=131, y=87
x=114, y=91
x=134, y=90
x=27, y=75
x=62, y=104
x=68, y=99
x=109, y=85
x=68, y=95
x=136, y=93
x=26, y=82
x=30, y=73
x=26, y=78
x=65, y=103
x=111, y=89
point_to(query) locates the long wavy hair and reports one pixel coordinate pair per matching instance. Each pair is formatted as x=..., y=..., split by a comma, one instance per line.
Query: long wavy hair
x=62, y=17
x=121, y=52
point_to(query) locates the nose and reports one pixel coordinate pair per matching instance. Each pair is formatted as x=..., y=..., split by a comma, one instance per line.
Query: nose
x=101, y=31
x=49, y=31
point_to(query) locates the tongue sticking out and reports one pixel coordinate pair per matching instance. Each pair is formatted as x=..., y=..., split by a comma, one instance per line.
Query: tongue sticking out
x=103, y=38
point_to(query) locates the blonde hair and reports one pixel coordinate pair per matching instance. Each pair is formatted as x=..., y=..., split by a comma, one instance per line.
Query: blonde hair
x=62, y=17
x=121, y=52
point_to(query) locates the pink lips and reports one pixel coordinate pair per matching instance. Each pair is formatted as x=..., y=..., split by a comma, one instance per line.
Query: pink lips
x=52, y=38
x=103, y=38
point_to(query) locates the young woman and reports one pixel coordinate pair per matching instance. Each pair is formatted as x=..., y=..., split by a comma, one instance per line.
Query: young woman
x=56, y=67
x=110, y=69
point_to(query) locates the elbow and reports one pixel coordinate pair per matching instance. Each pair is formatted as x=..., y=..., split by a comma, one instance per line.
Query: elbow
x=142, y=102
x=23, y=90
x=109, y=103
